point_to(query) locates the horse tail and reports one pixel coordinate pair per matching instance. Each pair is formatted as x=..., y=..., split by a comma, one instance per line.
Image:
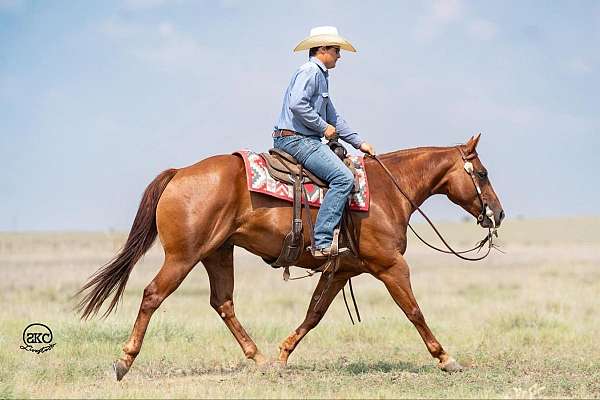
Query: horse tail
x=112, y=277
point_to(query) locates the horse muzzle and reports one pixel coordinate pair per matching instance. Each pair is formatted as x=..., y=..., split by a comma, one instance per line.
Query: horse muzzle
x=491, y=219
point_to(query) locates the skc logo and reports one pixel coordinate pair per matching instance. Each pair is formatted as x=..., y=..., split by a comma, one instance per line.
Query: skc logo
x=37, y=338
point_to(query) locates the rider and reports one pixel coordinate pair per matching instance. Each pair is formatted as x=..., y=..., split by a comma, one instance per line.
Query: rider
x=306, y=116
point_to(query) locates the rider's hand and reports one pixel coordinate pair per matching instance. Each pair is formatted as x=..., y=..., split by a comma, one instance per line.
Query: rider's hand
x=330, y=132
x=367, y=148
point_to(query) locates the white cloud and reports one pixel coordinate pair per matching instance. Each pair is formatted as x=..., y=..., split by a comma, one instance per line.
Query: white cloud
x=163, y=45
x=482, y=29
x=143, y=4
x=11, y=5
x=580, y=66
x=441, y=13
x=173, y=50
x=447, y=10
x=116, y=28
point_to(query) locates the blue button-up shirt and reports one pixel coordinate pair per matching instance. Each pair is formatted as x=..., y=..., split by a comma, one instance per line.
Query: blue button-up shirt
x=307, y=107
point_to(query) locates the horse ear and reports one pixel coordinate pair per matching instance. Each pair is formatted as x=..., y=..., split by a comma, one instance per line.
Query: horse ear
x=472, y=143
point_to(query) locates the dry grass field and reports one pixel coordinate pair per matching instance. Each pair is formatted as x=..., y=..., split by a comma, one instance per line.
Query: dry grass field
x=524, y=323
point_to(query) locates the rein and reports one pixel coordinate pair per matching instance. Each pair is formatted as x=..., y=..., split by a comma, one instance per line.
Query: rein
x=485, y=211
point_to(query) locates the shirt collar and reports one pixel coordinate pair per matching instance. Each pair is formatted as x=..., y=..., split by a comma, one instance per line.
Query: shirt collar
x=320, y=64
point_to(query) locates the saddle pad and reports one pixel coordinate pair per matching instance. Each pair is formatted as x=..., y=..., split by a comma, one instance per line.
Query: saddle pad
x=260, y=181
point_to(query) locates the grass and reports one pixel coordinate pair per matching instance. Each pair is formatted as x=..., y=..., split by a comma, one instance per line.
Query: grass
x=523, y=323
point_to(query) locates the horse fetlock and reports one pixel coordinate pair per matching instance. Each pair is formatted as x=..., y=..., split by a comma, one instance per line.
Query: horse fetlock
x=250, y=350
x=283, y=357
x=131, y=350
x=289, y=343
x=437, y=351
x=287, y=347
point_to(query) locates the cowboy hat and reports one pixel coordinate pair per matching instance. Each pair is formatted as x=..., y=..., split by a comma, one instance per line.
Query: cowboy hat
x=324, y=36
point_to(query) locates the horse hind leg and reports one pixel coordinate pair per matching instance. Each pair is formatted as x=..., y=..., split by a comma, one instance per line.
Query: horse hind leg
x=171, y=274
x=320, y=301
x=219, y=266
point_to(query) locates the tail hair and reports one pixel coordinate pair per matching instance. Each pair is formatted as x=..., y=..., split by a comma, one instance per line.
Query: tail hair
x=112, y=277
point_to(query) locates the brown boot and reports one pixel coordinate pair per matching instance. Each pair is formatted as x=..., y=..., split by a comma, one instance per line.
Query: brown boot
x=325, y=253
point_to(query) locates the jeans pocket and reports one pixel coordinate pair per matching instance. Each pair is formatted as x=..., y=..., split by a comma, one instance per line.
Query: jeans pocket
x=289, y=144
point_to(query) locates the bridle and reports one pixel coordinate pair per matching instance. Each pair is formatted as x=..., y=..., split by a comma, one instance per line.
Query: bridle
x=485, y=211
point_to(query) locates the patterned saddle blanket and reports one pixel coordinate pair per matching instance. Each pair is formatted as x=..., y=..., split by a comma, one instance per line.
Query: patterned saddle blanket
x=260, y=181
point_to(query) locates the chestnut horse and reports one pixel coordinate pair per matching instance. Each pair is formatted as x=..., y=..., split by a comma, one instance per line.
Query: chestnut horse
x=202, y=211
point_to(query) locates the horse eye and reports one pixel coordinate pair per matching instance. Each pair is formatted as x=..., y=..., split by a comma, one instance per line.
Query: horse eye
x=482, y=174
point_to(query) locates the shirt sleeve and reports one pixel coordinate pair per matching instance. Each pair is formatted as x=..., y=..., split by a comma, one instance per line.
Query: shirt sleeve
x=302, y=91
x=342, y=128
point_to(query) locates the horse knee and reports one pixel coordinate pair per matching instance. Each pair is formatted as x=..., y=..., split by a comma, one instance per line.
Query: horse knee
x=312, y=320
x=225, y=310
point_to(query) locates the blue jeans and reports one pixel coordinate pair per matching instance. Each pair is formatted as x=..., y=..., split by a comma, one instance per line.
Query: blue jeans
x=318, y=158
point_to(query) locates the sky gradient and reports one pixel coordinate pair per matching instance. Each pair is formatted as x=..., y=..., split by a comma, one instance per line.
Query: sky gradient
x=96, y=98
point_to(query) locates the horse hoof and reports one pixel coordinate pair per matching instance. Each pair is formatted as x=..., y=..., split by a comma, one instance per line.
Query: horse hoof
x=120, y=369
x=261, y=361
x=451, y=366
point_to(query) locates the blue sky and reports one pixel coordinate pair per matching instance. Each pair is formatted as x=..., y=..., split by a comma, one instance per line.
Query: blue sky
x=96, y=98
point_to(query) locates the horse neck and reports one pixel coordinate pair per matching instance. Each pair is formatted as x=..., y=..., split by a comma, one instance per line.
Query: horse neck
x=420, y=172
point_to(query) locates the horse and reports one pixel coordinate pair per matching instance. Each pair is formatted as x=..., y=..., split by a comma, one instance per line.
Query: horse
x=202, y=211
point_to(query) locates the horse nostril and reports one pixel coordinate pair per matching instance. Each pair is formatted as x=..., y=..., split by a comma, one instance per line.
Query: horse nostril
x=501, y=215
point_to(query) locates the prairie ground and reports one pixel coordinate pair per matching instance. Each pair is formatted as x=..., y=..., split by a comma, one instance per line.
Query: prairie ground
x=524, y=324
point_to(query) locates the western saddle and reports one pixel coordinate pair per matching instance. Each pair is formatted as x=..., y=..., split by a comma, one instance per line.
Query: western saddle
x=285, y=168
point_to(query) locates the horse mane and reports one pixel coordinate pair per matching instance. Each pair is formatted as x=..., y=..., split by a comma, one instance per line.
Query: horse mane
x=403, y=155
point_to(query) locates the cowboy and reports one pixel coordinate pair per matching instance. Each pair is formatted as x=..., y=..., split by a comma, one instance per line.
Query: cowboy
x=308, y=115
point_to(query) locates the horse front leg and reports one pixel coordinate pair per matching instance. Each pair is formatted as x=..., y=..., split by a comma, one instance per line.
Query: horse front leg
x=397, y=280
x=321, y=298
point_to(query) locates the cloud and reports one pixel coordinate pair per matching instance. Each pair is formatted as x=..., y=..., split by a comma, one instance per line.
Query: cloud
x=11, y=5
x=143, y=4
x=443, y=13
x=115, y=28
x=162, y=45
x=446, y=10
x=580, y=66
x=482, y=29
x=440, y=14
x=173, y=50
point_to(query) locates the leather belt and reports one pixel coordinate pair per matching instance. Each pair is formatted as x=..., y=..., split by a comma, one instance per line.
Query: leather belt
x=283, y=132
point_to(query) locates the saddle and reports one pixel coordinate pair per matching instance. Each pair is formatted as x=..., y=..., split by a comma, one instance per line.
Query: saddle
x=285, y=168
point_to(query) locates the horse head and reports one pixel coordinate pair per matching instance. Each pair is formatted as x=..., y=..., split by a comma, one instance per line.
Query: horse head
x=467, y=184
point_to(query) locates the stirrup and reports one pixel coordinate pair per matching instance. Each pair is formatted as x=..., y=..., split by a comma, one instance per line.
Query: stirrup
x=328, y=252
x=332, y=251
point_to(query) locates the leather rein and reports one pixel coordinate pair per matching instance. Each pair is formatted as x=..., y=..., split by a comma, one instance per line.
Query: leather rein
x=485, y=211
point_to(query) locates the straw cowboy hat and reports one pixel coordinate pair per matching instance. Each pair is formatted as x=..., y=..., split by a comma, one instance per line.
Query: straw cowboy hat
x=324, y=36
